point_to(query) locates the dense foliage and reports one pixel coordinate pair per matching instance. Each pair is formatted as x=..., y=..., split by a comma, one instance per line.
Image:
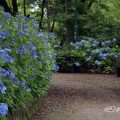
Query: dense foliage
x=88, y=54
x=26, y=61
x=91, y=18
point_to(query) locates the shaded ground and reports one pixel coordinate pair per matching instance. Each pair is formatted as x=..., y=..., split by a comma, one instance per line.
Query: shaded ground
x=81, y=97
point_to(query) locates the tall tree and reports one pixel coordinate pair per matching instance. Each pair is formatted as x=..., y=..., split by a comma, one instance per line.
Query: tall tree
x=24, y=7
x=48, y=15
x=42, y=13
x=53, y=25
x=15, y=6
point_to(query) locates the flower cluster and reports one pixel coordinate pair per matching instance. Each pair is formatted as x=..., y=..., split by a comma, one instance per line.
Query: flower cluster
x=3, y=88
x=26, y=61
x=3, y=109
x=51, y=35
x=94, y=51
x=5, y=57
x=11, y=75
x=22, y=50
x=3, y=35
x=89, y=54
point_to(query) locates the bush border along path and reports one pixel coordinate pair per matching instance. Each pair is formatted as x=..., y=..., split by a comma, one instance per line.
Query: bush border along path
x=26, y=112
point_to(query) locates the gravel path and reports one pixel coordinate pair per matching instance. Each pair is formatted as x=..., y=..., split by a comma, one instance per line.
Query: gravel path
x=81, y=97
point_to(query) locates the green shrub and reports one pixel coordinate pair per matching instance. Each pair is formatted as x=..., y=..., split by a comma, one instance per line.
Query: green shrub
x=89, y=54
x=26, y=61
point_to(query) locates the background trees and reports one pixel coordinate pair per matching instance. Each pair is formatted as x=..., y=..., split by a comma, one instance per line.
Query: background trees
x=95, y=18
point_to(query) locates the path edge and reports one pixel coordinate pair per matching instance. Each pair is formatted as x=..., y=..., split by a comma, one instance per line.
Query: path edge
x=26, y=112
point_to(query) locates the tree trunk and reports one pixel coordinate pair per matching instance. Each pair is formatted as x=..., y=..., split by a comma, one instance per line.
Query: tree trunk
x=24, y=7
x=118, y=71
x=68, y=23
x=48, y=14
x=42, y=14
x=5, y=5
x=15, y=6
x=69, y=31
x=53, y=24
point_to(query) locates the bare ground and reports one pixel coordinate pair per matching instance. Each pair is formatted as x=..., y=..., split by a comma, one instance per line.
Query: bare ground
x=81, y=97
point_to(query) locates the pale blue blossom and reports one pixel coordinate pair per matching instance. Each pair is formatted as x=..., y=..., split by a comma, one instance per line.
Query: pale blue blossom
x=3, y=109
x=88, y=58
x=77, y=64
x=97, y=62
x=3, y=88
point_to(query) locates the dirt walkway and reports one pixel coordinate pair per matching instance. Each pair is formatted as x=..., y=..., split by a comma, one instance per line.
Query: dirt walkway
x=81, y=97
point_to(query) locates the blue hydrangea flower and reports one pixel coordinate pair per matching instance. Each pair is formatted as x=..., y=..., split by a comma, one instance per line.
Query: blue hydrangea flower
x=77, y=47
x=90, y=39
x=77, y=64
x=8, y=73
x=107, y=48
x=94, y=44
x=22, y=50
x=3, y=109
x=4, y=35
x=24, y=85
x=3, y=52
x=3, y=88
x=57, y=47
x=42, y=37
x=82, y=41
x=5, y=57
x=19, y=33
x=7, y=15
x=97, y=62
x=77, y=43
x=34, y=53
x=96, y=51
x=103, y=56
x=6, y=49
x=54, y=53
x=88, y=58
x=25, y=28
x=88, y=50
x=114, y=39
x=103, y=43
x=71, y=43
x=55, y=67
x=86, y=45
x=107, y=41
x=9, y=59
x=111, y=54
x=1, y=70
x=51, y=35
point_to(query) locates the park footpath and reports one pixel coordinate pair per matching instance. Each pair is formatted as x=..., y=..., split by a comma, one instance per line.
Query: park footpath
x=81, y=97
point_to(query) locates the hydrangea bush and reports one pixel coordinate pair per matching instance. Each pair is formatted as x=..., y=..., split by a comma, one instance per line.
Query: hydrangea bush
x=26, y=62
x=89, y=54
